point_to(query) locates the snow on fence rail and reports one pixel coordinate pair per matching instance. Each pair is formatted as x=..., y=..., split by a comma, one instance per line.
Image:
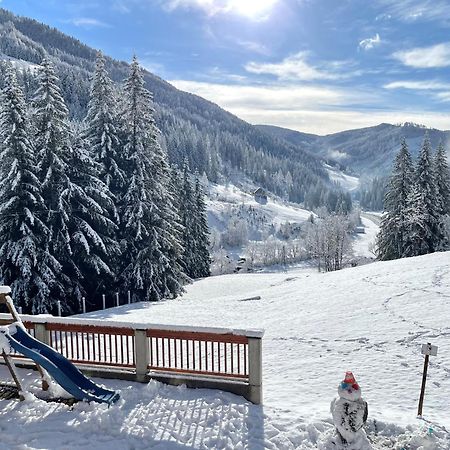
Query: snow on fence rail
x=198, y=357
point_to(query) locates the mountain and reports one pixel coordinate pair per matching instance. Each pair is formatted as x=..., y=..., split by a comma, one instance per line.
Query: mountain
x=366, y=151
x=214, y=141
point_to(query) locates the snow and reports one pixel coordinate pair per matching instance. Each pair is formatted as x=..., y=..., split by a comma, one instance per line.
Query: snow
x=277, y=212
x=370, y=319
x=5, y=290
x=347, y=182
x=363, y=243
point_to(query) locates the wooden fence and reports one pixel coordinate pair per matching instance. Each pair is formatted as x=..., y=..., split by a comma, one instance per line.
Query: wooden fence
x=230, y=360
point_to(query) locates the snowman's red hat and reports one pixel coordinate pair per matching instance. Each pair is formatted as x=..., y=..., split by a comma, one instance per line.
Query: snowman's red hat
x=349, y=378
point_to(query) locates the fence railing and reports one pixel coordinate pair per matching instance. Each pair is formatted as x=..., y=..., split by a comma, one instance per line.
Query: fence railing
x=199, y=357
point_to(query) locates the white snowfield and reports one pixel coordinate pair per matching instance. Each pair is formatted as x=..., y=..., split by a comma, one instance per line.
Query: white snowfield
x=277, y=212
x=347, y=182
x=370, y=319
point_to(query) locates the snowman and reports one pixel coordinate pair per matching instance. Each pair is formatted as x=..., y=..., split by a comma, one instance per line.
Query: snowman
x=349, y=412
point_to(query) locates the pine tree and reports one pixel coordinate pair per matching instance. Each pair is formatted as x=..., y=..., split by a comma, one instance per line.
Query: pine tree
x=187, y=214
x=102, y=129
x=426, y=183
x=150, y=229
x=79, y=203
x=393, y=229
x=201, y=231
x=417, y=218
x=92, y=229
x=52, y=137
x=442, y=175
x=25, y=262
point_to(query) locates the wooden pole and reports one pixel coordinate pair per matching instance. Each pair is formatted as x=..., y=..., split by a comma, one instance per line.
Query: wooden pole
x=424, y=381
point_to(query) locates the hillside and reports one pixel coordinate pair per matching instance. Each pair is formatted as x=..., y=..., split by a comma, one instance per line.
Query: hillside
x=366, y=151
x=213, y=140
x=370, y=319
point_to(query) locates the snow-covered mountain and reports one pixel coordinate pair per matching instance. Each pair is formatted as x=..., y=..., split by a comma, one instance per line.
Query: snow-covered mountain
x=214, y=141
x=366, y=151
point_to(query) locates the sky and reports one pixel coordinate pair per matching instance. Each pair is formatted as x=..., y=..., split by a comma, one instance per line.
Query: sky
x=317, y=66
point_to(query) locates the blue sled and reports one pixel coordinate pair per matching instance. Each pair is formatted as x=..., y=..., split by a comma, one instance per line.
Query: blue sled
x=61, y=369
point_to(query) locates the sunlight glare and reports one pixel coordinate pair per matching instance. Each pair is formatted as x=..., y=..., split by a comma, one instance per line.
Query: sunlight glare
x=251, y=8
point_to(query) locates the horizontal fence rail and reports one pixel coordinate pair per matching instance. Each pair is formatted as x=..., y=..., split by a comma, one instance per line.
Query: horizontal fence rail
x=199, y=357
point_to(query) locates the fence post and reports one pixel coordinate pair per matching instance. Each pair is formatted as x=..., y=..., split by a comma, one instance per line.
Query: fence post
x=142, y=354
x=104, y=301
x=117, y=299
x=41, y=333
x=129, y=297
x=255, y=370
x=59, y=308
x=84, y=305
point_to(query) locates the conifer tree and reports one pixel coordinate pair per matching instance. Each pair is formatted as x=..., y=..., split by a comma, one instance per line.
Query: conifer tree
x=52, y=137
x=187, y=214
x=201, y=231
x=149, y=229
x=417, y=218
x=25, y=262
x=102, y=130
x=426, y=182
x=92, y=227
x=393, y=229
x=442, y=175
x=79, y=204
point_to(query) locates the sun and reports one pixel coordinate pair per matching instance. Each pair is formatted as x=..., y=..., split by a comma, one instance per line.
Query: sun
x=253, y=9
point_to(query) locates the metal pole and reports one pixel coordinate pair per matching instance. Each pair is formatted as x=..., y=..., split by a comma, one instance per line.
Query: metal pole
x=129, y=297
x=424, y=381
x=84, y=305
x=117, y=299
x=104, y=301
x=59, y=308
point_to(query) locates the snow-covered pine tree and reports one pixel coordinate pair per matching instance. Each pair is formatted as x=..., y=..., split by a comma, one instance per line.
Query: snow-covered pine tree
x=149, y=230
x=92, y=227
x=52, y=139
x=442, y=175
x=391, y=238
x=201, y=230
x=187, y=214
x=426, y=182
x=416, y=214
x=79, y=204
x=25, y=262
x=102, y=130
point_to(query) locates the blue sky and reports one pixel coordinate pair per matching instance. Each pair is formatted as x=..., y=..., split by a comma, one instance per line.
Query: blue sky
x=313, y=65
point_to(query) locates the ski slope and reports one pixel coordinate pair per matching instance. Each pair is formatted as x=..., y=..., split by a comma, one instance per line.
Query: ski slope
x=370, y=319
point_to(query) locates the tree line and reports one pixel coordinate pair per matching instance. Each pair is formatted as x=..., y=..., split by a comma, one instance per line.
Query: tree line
x=93, y=207
x=416, y=204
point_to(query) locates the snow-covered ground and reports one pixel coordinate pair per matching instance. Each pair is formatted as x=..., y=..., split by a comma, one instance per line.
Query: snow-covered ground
x=221, y=197
x=363, y=243
x=370, y=319
x=347, y=182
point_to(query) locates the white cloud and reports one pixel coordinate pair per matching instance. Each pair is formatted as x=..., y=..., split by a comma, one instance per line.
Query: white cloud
x=294, y=67
x=368, y=43
x=88, y=22
x=425, y=57
x=417, y=10
x=313, y=109
x=253, y=46
x=427, y=85
x=252, y=9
